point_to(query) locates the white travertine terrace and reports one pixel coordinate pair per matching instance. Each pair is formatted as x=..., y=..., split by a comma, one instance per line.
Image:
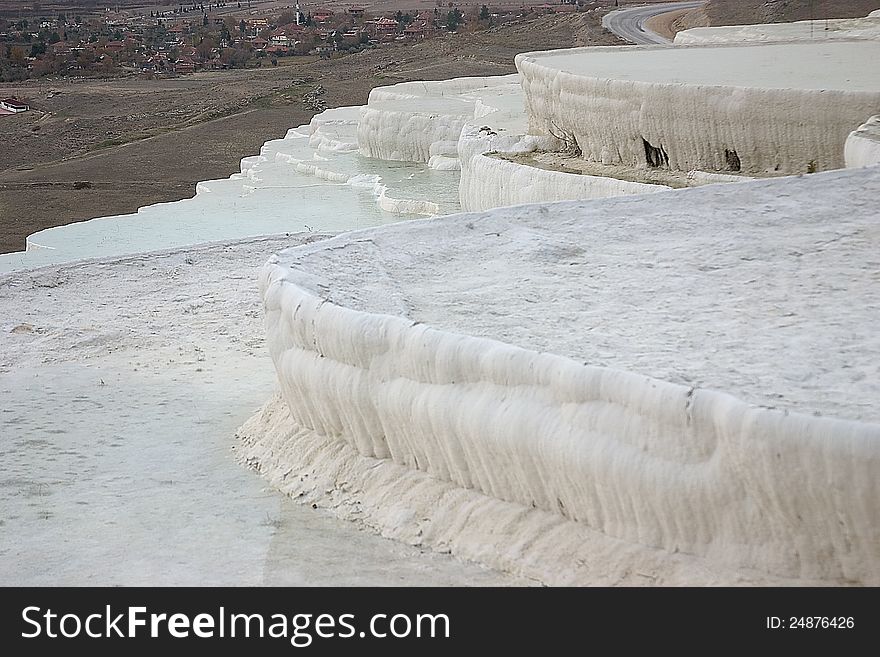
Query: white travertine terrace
x=674, y=466
x=769, y=108
x=311, y=179
x=680, y=386
x=491, y=182
x=862, y=148
x=459, y=124
x=822, y=29
x=490, y=178
x=422, y=121
x=354, y=167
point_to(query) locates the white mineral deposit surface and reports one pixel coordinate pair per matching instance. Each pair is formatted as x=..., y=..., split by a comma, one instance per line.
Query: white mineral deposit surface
x=124, y=378
x=838, y=65
x=122, y=383
x=740, y=288
x=862, y=147
x=311, y=180
x=814, y=30
x=707, y=332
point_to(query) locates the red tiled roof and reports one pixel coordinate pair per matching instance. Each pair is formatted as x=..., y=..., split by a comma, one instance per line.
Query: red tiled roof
x=14, y=103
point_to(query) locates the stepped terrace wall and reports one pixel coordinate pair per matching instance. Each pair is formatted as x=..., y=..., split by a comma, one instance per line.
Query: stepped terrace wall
x=862, y=147
x=759, y=109
x=422, y=121
x=491, y=182
x=666, y=465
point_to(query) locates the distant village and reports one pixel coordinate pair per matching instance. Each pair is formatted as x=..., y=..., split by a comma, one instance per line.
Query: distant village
x=213, y=36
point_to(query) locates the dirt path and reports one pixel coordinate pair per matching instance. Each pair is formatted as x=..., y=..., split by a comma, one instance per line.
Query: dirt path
x=664, y=23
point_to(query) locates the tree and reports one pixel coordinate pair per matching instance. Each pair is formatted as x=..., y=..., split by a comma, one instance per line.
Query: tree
x=85, y=58
x=45, y=66
x=54, y=38
x=287, y=17
x=17, y=55
x=453, y=20
x=205, y=48
x=205, y=19
x=241, y=25
x=484, y=13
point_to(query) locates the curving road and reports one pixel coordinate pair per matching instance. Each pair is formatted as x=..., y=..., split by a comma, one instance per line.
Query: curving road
x=629, y=24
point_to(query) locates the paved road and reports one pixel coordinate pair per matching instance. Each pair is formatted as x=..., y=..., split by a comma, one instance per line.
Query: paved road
x=630, y=23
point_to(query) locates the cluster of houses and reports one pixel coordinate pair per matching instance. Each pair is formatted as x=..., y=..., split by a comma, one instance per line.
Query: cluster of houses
x=172, y=43
x=320, y=32
x=323, y=31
